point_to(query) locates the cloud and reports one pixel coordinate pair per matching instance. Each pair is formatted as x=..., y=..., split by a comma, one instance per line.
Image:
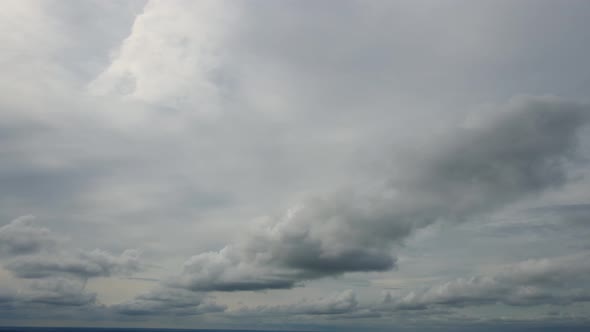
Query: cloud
x=168, y=301
x=209, y=272
x=103, y=135
x=20, y=237
x=574, y=214
x=185, y=74
x=558, y=281
x=517, y=153
x=54, y=274
x=34, y=252
x=58, y=292
x=48, y=293
x=554, y=281
x=84, y=265
x=344, y=302
x=58, y=274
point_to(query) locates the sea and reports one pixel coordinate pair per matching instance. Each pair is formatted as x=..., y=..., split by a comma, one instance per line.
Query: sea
x=472, y=329
x=117, y=329
x=120, y=329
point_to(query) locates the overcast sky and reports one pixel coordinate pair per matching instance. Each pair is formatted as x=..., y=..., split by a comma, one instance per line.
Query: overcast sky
x=295, y=164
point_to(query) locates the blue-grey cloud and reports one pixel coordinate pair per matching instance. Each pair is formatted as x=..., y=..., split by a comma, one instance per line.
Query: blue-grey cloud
x=20, y=236
x=519, y=152
x=91, y=264
x=168, y=301
x=552, y=281
x=341, y=303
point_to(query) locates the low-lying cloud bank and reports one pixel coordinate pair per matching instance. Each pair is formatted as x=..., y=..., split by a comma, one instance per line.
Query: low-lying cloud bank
x=555, y=281
x=334, y=304
x=57, y=274
x=166, y=301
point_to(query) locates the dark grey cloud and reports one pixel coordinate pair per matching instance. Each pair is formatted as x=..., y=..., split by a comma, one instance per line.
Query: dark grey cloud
x=341, y=303
x=168, y=301
x=559, y=282
x=554, y=281
x=34, y=252
x=52, y=274
x=20, y=236
x=335, y=307
x=516, y=153
x=575, y=214
x=58, y=292
x=46, y=294
x=91, y=264
x=7, y=298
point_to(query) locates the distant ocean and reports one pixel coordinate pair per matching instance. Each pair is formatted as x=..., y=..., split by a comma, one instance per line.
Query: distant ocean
x=113, y=329
x=460, y=329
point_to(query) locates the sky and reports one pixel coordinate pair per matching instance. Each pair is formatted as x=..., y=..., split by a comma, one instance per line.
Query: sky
x=312, y=165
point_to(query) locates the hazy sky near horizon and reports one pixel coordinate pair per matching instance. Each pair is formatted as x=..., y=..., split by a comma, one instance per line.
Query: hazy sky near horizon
x=295, y=164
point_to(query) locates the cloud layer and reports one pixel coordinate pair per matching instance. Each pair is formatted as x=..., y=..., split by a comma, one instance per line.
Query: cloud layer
x=557, y=281
x=518, y=153
x=262, y=164
x=57, y=274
